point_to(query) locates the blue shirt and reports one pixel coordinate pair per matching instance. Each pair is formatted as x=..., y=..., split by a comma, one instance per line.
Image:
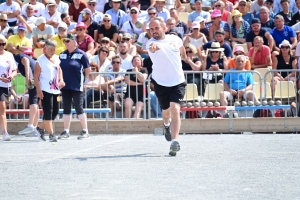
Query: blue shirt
x=96, y=17
x=115, y=15
x=72, y=66
x=277, y=6
x=285, y=34
x=193, y=15
x=72, y=26
x=248, y=17
x=205, y=3
x=165, y=14
x=21, y=67
x=227, y=48
x=246, y=28
x=238, y=81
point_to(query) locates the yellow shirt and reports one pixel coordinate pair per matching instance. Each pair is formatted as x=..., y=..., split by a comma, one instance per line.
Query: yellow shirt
x=60, y=44
x=16, y=40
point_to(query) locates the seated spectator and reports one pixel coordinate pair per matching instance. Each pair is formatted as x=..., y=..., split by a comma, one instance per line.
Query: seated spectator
x=267, y=23
x=181, y=26
x=92, y=26
x=100, y=5
x=151, y=14
x=217, y=24
x=118, y=16
x=176, y=4
x=106, y=42
x=92, y=86
x=62, y=7
x=206, y=4
x=247, y=16
x=4, y=27
x=12, y=10
x=239, y=28
x=134, y=92
x=143, y=15
x=215, y=61
x=85, y=42
x=161, y=10
x=115, y=85
x=220, y=39
x=71, y=25
x=284, y=61
x=203, y=28
x=283, y=32
x=142, y=41
x=255, y=6
x=108, y=5
x=238, y=85
x=171, y=26
x=256, y=30
x=228, y=5
x=131, y=48
x=192, y=64
x=238, y=50
x=29, y=25
x=286, y=13
x=269, y=5
x=107, y=29
x=75, y=8
x=196, y=38
x=296, y=16
x=103, y=63
x=130, y=26
x=41, y=32
x=225, y=15
x=29, y=14
x=52, y=16
x=95, y=15
x=18, y=43
x=278, y=8
x=59, y=37
x=39, y=8
x=126, y=58
x=259, y=54
x=296, y=28
x=198, y=12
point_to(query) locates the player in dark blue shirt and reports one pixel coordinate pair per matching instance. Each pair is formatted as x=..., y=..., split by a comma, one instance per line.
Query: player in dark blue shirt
x=75, y=67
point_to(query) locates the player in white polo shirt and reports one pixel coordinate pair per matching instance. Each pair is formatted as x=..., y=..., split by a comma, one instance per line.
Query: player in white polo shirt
x=166, y=52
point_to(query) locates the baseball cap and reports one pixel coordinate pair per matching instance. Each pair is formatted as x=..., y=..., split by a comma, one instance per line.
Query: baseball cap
x=198, y=1
x=92, y=1
x=107, y=16
x=22, y=27
x=242, y=1
x=255, y=21
x=40, y=20
x=127, y=36
x=105, y=39
x=86, y=11
x=173, y=31
x=70, y=36
x=80, y=24
x=116, y=0
x=62, y=25
x=270, y=1
x=220, y=31
x=195, y=25
x=28, y=51
x=135, y=8
x=199, y=19
x=51, y=2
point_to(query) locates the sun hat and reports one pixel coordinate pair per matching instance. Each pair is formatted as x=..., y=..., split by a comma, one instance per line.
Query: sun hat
x=285, y=43
x=28, y=51
x=236, y=13
x=195, y=25
x=215, y=46
x=239, y=48
x=216, y=13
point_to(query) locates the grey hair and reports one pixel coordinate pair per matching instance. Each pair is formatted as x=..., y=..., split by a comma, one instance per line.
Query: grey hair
x=279, y=17
x=50, y=43
x=29, y=6
x=161, y=21
x=171, y=19
x=239, y=57
x=264, y=8
x=222, y=3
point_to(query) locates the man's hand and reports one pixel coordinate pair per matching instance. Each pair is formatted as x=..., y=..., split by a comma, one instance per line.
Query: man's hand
x=241, y=93
x=233, y=92
x=154, y=47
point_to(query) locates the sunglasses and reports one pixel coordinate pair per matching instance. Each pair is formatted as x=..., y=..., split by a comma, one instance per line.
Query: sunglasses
x=268, y=3
x=67, y=41
x=2, y=44
x=93, y=68
x=151, y=13
x=237, y=54
x=115, y=62
x=126, y=39
x=28, y=54
x=215, y=51
x=133, y=13
x=188, y=52
x=242, y=5
x=104, y=51
x=79, y=29
x=2, y=20
x=218, y=5
x=106, y=20
x=62, y=29
x=92, y=4
x=104, y=42
x=284, y=47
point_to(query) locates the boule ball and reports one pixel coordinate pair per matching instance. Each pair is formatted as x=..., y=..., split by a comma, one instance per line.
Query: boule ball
x=138, y=24
x=189, y=104
x=183, y=105
x=210, y=104
x=196, y=104
x=217, y=104
x=271, y=103
x=257, y=103
x=237, y=103
x=278, y=102
x=264, y=103
x=202, y=104
x=250, y=103
x=244, y=103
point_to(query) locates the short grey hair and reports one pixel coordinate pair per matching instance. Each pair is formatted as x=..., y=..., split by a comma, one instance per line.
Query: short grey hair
x=160, y=20
x=50, y=43
x=239, y=57
x=279, y=17
x=264, y=8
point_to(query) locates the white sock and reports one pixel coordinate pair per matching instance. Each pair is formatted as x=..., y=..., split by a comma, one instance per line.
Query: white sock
x=30, y=126
x=67, y=130
x=85, y=130
x=168, y=124
x=174, y=140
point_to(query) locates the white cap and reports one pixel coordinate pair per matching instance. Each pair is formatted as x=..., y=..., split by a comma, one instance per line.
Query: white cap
x=62, y=25
x=199, y=19
x=40, y=20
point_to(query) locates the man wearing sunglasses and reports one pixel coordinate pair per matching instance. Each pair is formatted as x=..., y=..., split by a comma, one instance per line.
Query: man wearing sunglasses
x=198, y=12
x=12, y=10
x=3, y=25
x=118, y=16
x=92, y=26
x=52, y=16
x=95, y=15
x=242, y=7
x=18, y=43
x=130, y=26
x=143, y=15
x=107, y=29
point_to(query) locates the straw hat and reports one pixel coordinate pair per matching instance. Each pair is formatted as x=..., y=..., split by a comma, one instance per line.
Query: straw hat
x=215, y=46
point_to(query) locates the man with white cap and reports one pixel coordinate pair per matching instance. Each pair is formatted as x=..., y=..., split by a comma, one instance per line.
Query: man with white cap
x=143, y=15
x=95, y=15
x=107, y=29
x=198, y=12
x=39, y=8
x=161, y=11
x=52, y=16
x=142, y=41
x=41, y=32
x=92, y=26
x=133, y=26
x=181, y=26
x=118, y=16
x=18, y=43
x=12, y=10
x=59, y=37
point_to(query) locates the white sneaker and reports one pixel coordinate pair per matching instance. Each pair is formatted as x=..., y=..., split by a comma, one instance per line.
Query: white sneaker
x=6, y=137
x=26, y=131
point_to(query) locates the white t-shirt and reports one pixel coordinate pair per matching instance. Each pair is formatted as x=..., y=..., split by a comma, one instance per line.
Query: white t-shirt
x=142, y=40
x=14, y=6
x=167, y=67
x=127, y=28
x=7, y=65
x=56, y=17
x=255, y=7
x=104, y=67
x=126, y=63
x=63, y=7
x=4, y=31
x=39, y=9
x=49, y=74
x=100, y=5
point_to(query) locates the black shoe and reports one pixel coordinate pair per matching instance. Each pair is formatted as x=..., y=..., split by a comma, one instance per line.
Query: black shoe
x=52, y=138
x=83, y=135
x=41, y=134
x=64, y=135
x=167, y=133
x=175, y=147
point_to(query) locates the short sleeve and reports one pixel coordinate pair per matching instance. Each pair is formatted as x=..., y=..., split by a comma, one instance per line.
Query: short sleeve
x=89, y=39
x=227, y=77
x=206, y=45
x=190, y=17
x=51, y=30
x=227, y=50
x=85, y=61
x=249, y=79
x=226, y=27
x=292, y=33
x=179, y=41
x=10, y=40
x=250, y=52
x=298, y=50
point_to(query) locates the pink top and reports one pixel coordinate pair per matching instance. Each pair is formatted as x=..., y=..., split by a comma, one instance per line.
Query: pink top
x=229, y=6
x=225, y=16
x=260, y=56
x=85, y=43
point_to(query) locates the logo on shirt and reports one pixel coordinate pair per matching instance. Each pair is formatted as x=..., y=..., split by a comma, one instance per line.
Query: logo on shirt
x=285, y=33
x=6, y=73
x=54, y=82
x=174, y=47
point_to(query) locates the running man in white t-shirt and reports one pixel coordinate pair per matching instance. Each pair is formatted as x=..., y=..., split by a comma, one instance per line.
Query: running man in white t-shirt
x=166, y=52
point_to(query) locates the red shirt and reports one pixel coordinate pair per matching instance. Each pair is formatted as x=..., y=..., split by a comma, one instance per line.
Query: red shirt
x=85, y=43
x=261, y=55
x=225, y=16
x=76, y=12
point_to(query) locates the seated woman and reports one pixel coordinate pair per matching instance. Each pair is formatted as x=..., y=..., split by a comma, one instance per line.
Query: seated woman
x=192, y=64
x=238, y=50
x=215, y=61
x=101, y=59
x=106, y=42
x=134, y=91
x=239, y=28
x=284, y=61
x=196, y=37
x=85, y=41
x=217, y=24
x=92, y=86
